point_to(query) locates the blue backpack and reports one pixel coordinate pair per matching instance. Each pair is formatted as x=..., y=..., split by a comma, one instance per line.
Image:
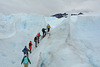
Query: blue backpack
x=25, y=51
x=25, y=60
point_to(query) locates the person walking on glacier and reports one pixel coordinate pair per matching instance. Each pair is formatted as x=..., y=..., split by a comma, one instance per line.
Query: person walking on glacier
x=30, y=45
x=35, y=40
x=25, y=51
x=48, y=28
x=38, y=36
x=44, y=32
x=25, y=61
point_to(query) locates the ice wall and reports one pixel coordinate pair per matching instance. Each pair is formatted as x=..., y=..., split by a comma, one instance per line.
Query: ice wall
x=85, y=32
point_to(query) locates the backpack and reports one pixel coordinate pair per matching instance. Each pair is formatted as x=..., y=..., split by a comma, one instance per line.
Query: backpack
x=42, y=29
x=39, y=34
x=25, y=60
x=25, y=51
x=35, y=38
x=29, y=44
x=47, y=25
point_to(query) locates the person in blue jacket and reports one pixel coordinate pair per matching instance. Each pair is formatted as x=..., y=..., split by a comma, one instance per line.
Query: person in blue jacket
x=48, y=28
x=25, y=61
x=25, y=50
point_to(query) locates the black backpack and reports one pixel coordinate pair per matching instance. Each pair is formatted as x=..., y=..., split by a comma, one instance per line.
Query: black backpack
x=35, y=38
x=29, y=44
x=42, y=30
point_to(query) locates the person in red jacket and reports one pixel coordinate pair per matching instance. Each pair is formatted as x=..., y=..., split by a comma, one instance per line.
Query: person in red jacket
x=30, y=45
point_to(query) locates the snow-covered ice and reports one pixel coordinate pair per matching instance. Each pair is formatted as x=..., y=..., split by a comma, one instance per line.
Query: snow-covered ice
x=73, y=41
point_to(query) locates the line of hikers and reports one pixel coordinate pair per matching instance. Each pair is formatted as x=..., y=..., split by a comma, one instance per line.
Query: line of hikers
x=26, y=59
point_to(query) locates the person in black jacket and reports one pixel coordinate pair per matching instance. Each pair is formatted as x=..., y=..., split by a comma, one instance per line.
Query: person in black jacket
x=44, y=32
x=38, y=36
x=25, y=61
x=35, y=40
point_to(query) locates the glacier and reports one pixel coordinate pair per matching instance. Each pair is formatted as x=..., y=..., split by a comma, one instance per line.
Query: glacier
x=73, y=41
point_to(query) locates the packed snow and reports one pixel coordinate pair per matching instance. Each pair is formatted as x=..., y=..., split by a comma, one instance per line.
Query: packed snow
x=73, y=41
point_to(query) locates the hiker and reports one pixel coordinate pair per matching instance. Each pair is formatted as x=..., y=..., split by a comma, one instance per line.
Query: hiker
x=48, y=28
x=38, y=36
x=30, y=45
x=35, y=40
x=25, y=61
x=25, y=50
x=44, y=32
